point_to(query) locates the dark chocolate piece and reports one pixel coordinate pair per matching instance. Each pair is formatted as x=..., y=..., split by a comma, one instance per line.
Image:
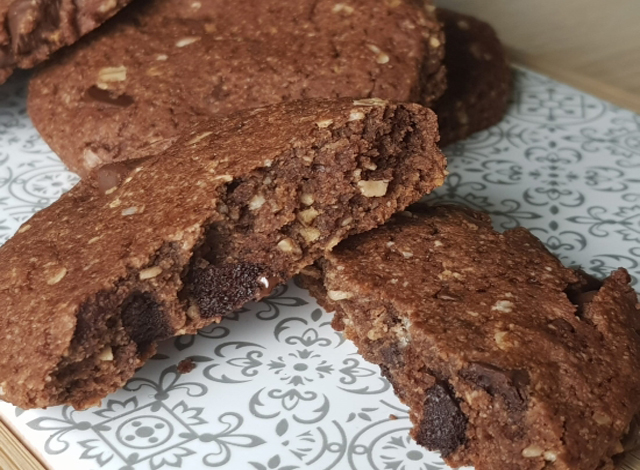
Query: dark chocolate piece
x=509, y=384
x=268, y=284
x=218, y=290
x=108, y=97
x=443, y=425
x=144, y=320
x=108, y=177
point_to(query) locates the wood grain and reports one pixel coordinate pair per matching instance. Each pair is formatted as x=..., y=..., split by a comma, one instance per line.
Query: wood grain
x=589, y=38
x=630, y=462
x=14, y=455
x=607, y=92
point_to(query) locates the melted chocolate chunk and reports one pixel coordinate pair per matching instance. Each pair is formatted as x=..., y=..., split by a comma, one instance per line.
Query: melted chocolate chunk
x=24, y=18
x=267, y=286
x=108, y=97
x=112, y=174
x=444, y=425
x=509, y=384
x=221, y=289
x=144, y=320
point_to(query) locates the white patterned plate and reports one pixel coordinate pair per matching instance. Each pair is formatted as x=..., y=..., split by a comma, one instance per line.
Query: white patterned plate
x=275, y=388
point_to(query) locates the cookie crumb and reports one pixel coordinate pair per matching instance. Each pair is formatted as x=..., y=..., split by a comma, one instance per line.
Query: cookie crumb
x=186, y=365
x=393, y=417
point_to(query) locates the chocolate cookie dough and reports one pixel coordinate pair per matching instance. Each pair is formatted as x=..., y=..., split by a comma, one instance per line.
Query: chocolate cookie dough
x=33, y=29
x=162, y=65
x=507, y=359
x=478, y=78
x=239, y=204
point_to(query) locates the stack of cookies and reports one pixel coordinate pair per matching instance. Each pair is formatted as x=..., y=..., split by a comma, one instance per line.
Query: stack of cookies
x=227, y=146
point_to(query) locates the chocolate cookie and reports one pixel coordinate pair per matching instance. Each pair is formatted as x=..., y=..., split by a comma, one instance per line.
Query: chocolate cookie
x=239, y=204
x=478, y=78
x=162, y=65
x=506, y=359
x=33, y=29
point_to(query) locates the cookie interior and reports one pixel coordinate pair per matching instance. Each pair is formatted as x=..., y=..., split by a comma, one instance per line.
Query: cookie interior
x=270, y=223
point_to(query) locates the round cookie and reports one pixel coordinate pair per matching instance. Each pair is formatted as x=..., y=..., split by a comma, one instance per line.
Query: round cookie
x=164, y=64
x=32, y=30
x=478, y=77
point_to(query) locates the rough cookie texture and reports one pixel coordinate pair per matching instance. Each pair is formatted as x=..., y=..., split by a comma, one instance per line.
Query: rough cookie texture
x=162, y=65
x=89, y=285
x=506, y=359
x=478, y=78
x=33, y=29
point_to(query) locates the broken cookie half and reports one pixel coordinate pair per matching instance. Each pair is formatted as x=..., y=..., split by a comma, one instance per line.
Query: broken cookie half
x=236, y=206
x=507, y=359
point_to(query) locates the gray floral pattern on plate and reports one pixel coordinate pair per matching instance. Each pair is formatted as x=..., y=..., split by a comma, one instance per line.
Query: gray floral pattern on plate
x=274, y=387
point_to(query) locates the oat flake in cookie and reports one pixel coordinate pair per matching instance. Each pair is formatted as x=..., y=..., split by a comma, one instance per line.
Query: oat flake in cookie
x=506, y=359
x=478, y=78
x=33, y=29
x=162, y=65
x=89, y=285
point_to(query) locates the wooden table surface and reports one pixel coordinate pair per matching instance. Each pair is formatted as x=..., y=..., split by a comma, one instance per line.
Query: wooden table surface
x=596, y=42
